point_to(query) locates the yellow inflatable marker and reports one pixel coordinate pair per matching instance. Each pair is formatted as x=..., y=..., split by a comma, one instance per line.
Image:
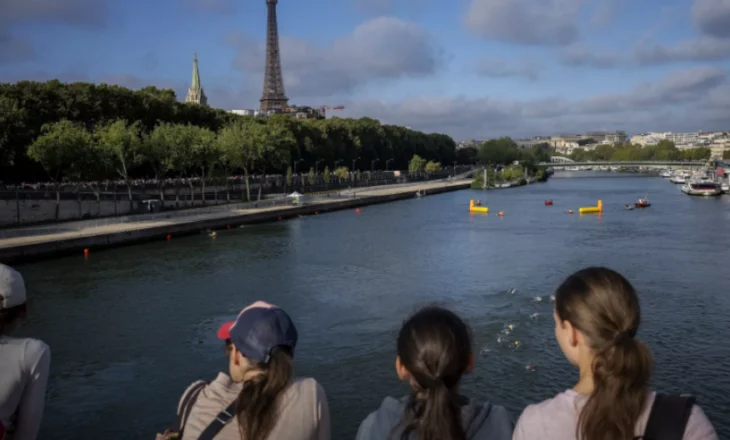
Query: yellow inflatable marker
x=474, y=208
x=592, y=209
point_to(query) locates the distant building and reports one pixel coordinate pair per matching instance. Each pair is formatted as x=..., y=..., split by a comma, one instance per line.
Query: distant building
x=196, y=94
x=719, y=146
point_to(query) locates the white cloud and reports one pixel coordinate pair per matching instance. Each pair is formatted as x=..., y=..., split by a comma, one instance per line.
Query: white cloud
x=384, y=48
x=544, y=22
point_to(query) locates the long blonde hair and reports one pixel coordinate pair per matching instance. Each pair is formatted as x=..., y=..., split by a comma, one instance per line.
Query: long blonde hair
x=604, y=306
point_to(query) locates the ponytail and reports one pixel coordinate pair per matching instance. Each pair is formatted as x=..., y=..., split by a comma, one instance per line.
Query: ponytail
x=621, y=373
x=433, y=414
x=434, y=346
x=604, y=307
x=258, y=403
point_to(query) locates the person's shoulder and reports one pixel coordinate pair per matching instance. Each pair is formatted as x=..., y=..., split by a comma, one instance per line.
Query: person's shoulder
x=193, y=388
x=308, y=384
x=699, y=426
x=33, y=349
x=534, y=414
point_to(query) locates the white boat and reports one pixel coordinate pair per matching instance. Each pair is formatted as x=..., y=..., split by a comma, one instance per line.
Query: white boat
x=725, y=187
x=665, y=173
x=678, y=178
x=702, y=188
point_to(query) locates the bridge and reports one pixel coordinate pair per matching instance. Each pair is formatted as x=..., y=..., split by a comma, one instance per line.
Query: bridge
x=564, y=162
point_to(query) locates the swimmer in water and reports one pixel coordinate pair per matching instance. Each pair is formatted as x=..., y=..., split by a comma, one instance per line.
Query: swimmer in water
x=538, y=298
x=478, y=203
x=534, y=315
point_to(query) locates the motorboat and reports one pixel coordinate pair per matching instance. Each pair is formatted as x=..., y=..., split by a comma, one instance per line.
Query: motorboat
x=665, y=173
x=642, y=203
x=725, y=187
x=702, y=188
x=678, y=178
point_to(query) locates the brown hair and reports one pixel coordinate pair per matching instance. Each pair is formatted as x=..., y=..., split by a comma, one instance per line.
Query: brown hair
x=604, y=306
x=258, y=403
x=10, y=317
x=434, y=345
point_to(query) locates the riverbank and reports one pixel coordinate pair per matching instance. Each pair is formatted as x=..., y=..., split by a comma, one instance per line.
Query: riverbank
x=32, y=244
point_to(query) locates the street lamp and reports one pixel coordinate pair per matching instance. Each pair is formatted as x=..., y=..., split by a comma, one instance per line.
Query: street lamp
x=387, y=162
x=316, y=166
x=454, y=168
x=372, y=165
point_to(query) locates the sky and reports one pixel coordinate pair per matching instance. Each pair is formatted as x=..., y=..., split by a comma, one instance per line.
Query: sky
x=473, y=69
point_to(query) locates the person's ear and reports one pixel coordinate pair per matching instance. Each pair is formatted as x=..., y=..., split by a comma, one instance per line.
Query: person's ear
x=401, y=371
x=472, y=364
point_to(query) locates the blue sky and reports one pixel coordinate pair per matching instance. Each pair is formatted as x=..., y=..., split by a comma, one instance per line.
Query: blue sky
x=469, y=68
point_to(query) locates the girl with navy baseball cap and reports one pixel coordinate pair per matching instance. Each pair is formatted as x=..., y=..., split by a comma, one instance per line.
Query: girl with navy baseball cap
x=260, y=399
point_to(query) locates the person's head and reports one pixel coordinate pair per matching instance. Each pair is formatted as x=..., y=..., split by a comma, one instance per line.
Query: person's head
x=434, y=352
x=597, y=316
x=262, y=342
x=13, y=308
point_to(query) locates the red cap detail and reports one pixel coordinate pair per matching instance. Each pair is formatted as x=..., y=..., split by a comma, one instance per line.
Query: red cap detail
x=225, y=331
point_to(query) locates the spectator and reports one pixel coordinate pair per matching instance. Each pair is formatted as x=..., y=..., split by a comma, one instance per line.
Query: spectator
x=24, y=364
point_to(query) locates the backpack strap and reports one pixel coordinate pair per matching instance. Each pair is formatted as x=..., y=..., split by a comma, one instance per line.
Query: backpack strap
x=188, y=401
x=218, y=423
x=668, y=417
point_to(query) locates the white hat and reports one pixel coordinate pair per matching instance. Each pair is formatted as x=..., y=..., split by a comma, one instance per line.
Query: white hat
x=12, y=288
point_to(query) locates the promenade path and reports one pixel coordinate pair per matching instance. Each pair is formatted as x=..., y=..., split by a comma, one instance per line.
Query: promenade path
x=175, y=221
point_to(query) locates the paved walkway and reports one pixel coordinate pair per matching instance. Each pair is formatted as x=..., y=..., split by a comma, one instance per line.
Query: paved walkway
x=51, y=233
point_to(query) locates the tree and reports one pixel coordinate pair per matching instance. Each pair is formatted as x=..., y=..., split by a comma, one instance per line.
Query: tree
x=238, y=141
x=417, y=164
x=342, y=173
x=159, y=151
x=121, y=143
x=61, y=150
x=288, y=176
x=205, y=152
x=311, y=176
x=502, y=151
x=326, y=176
x=433, y=167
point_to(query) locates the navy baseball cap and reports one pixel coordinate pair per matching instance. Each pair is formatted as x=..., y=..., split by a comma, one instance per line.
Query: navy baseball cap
x=258, y=329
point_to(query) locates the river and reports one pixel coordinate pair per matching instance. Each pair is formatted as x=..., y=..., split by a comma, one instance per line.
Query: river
x=130, y=328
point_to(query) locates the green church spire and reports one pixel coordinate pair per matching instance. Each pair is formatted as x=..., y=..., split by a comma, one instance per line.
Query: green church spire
x=196, y=73
x=195, y=92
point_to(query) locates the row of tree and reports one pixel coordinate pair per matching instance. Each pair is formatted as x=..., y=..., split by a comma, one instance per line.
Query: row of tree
x=664, y=150
x=27, y=107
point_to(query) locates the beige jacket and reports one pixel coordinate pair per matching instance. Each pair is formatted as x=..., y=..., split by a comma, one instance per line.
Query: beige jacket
x=303, y=414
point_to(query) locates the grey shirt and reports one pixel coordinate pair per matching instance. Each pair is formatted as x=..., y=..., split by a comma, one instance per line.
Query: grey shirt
x=481, y=421
x=303, y=410
x=24, y=363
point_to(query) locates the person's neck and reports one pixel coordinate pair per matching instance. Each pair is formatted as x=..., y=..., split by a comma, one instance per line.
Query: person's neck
x=585, y=382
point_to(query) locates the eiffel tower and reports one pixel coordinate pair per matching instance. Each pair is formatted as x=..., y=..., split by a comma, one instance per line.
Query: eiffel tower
x=273, y=97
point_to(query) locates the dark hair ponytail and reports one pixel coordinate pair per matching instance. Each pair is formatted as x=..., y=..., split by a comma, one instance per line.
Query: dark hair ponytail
x=434, y=345
x=258, y=403
x=604, y=306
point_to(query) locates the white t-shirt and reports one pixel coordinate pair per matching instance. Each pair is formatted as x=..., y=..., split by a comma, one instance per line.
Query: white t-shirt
x=557, y=419
x=24, y=365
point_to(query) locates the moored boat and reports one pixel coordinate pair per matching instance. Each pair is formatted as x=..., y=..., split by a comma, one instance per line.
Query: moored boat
x=642, y=203
x=678, y=178
x=665, y=173
x=702, y=188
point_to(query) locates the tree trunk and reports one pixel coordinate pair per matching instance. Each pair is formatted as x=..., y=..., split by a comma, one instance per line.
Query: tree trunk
x=58, y=200
x=202, y=192
x=192, y=194
x=177, y=193
x=248, y=188
x=129, y=194
x=98, y=202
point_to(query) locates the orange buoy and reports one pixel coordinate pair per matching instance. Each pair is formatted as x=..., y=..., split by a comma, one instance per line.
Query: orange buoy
x=358, y=211
x=228, y=227
x=570, y=211
x=169, y=237
x=86, y=252
x=501, y=214
x=316, y=212
x=548, y=203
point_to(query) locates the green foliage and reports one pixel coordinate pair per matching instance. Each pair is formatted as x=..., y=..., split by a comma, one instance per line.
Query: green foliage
x=417, y=164
x=25, y=107
x=311, y=176
x=342, y=173
x=433, y=167
x=664, y=150
x=288, y=176
x=326, y=175
x=62, y=149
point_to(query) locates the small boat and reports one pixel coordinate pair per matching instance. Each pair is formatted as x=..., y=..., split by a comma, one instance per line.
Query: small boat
x=642, y=203
x=665, y=173
x=725, y=187
x=628, y=207
x=548, y=203
x=678, y=178
x=702, y=188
